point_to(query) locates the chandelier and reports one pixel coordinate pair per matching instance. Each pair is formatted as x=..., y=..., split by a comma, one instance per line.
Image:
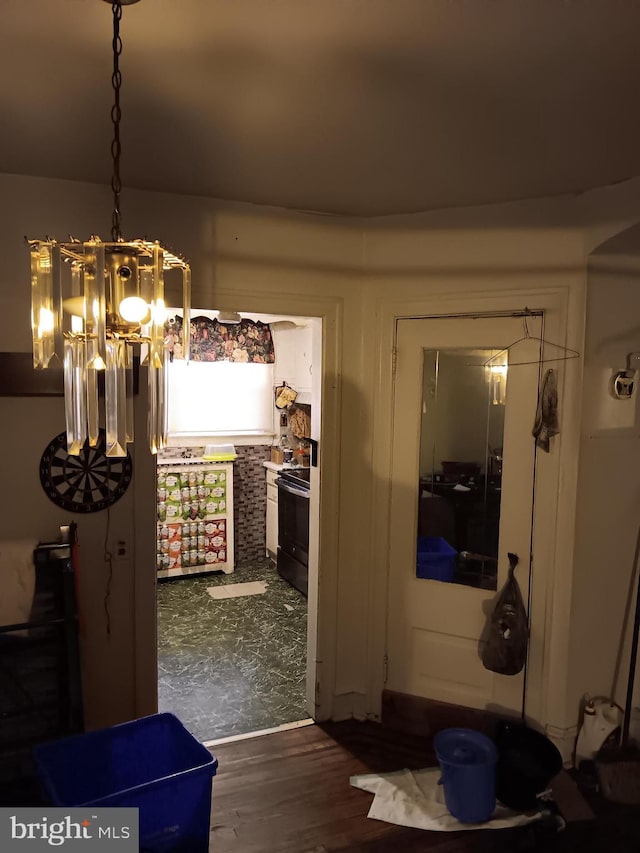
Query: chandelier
x=98, y=307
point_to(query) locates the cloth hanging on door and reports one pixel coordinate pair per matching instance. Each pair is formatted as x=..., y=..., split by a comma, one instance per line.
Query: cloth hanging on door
x=546, y=422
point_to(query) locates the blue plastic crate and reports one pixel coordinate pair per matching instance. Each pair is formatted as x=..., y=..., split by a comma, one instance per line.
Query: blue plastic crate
x=436, y=559
x=153, y=764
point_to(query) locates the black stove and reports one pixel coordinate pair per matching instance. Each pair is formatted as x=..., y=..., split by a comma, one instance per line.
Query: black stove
x=297, y=476
x=293, y=526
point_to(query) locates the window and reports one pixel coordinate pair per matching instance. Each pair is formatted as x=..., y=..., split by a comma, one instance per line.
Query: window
x=221, y=398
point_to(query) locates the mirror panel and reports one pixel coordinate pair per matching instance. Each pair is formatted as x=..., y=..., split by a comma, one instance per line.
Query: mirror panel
x=459, y=487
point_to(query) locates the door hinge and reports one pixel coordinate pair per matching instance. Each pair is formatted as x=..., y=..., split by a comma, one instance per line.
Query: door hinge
x=394, y=361
x=385, y=669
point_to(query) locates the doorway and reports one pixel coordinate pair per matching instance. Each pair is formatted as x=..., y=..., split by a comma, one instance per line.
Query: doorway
x=232, y=634
x=463, y=462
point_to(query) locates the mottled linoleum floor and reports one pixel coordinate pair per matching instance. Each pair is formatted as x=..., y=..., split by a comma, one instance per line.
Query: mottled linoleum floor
x=236, y=665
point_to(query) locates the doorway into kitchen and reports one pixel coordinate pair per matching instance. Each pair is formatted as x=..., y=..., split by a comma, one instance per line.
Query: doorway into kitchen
x=237, y=497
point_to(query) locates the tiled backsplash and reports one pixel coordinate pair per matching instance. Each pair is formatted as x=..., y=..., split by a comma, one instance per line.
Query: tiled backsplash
x=250, y=501
x=180, y=453
x=249, y=496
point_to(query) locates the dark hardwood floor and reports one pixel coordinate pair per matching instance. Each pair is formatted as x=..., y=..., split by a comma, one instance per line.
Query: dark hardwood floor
x=289, y=792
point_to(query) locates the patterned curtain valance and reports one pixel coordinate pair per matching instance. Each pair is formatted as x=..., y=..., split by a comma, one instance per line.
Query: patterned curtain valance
x=248, y=341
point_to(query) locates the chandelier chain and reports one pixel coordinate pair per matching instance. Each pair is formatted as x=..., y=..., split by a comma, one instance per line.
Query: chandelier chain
x=116, y=113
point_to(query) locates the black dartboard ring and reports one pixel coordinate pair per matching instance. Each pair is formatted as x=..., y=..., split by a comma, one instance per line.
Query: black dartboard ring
x=86, y=483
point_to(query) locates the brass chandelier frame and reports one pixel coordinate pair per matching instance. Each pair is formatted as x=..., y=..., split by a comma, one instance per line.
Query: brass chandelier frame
x=95, y=305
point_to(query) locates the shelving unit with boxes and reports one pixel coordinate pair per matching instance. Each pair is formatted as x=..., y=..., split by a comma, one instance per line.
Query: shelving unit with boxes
x=195, y=517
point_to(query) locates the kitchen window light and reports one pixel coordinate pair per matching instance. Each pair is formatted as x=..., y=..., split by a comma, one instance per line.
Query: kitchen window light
x=219, y=399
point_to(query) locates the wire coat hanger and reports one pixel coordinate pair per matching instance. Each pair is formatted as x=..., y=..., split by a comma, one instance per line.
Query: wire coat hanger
x=568, y=352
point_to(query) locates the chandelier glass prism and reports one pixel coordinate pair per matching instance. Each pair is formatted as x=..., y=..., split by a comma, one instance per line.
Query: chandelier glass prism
x=98, y=308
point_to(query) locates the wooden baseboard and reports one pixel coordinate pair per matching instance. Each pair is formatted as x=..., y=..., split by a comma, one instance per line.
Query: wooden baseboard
x=424, y=717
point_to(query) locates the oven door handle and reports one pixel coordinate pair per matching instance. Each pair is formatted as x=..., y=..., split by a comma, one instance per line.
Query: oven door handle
x=303, y=493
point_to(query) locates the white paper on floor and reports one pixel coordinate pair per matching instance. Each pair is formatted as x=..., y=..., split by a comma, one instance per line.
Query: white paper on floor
x=415, y=799
x=236, y=590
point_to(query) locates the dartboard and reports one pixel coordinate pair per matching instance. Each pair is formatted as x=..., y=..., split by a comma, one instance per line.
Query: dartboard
x=86, y=483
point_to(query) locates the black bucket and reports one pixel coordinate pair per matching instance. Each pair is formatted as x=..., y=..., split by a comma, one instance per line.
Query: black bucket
x=527, y=762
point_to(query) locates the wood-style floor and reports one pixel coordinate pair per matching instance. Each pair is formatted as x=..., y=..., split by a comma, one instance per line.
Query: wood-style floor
x=289, y=792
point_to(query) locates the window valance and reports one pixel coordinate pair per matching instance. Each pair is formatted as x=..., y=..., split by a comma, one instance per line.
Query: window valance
x=248, y=341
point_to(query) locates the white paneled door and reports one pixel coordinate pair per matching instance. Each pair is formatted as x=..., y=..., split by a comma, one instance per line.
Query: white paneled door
x=434, y=627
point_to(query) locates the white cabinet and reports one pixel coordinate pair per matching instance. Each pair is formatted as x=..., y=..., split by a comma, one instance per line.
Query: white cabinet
x=303, y=359
x=272, y=514
x=293, y=358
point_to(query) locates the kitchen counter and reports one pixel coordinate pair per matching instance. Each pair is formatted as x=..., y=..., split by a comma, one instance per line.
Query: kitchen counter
x=282, y=466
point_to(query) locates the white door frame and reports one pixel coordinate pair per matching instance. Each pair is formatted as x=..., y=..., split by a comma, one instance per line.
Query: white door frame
x=423, y=641
x=554, y=513
x=323, y=585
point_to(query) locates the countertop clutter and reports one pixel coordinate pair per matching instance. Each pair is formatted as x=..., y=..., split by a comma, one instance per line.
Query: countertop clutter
x=283, y=455
x=282, y=466
x=219, y=453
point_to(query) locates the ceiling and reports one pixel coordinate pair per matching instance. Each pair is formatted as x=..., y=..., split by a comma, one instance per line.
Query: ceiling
x=346, y=107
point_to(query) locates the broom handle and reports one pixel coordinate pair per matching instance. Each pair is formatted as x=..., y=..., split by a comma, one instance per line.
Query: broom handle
x=632, y=663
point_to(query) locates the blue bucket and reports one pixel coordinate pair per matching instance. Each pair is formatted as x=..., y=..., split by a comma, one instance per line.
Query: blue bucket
x=468, y=762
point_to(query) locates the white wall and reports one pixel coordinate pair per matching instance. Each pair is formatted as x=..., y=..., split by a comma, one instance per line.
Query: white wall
x=35, y=208
x=608, y=516
x=240, y=257
x=433, y=269
x=246, y=258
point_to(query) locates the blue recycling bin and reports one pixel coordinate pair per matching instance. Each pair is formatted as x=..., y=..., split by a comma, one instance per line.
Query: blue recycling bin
x=468, y=762
x=153, y=764
x=435, y=558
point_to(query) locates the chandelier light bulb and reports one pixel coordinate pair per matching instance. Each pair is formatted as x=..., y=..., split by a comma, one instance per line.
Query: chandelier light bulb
x=133, y=309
